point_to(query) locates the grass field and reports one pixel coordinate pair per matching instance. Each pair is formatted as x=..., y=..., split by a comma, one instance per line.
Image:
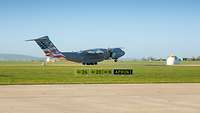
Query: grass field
x=64, y=73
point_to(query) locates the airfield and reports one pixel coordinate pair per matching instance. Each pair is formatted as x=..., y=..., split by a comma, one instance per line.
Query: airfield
x=56, y=88
x=30, y=73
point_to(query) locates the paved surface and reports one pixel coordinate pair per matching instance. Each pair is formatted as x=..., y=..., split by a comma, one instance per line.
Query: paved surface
x=139, y=98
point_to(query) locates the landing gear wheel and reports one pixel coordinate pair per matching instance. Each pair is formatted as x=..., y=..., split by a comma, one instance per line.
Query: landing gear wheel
x=115, y=60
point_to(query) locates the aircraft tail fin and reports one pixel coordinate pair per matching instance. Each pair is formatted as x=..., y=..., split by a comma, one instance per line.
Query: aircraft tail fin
x=48, y=47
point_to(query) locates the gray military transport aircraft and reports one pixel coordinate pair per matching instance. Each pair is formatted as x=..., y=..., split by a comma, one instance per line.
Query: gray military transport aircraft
x=86, y=57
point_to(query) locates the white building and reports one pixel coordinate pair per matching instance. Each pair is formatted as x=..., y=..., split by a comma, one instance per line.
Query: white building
x=172, y=60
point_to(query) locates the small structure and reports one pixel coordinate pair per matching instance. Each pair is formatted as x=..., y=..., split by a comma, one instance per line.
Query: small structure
x=172, y=60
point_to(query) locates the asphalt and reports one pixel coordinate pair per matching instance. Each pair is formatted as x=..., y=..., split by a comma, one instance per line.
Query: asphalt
x=115, y=98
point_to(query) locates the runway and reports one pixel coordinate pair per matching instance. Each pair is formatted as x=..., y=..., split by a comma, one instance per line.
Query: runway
x=99, y=98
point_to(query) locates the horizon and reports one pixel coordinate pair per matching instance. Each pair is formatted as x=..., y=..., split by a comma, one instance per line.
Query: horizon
x=123, y=58
x=144, y=28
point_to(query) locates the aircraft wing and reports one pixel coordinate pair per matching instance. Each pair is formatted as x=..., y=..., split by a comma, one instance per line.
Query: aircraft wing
x=93, y=55
x=95, y=52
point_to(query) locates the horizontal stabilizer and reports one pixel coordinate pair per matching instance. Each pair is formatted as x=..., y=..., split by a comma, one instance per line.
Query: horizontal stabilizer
x=44, y=37
x=30, y=40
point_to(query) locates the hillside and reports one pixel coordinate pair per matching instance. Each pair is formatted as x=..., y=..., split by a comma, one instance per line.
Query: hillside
x=17, y=57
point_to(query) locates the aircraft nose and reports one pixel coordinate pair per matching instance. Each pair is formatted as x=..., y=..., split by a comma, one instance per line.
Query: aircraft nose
x=123, y=53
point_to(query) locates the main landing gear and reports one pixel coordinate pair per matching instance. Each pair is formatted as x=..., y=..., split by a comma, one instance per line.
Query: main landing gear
x=95, y=63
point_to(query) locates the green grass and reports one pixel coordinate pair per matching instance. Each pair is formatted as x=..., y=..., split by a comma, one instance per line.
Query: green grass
x=62, y=73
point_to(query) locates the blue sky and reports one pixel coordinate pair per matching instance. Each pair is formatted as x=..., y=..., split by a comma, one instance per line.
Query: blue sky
x=143, y=27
